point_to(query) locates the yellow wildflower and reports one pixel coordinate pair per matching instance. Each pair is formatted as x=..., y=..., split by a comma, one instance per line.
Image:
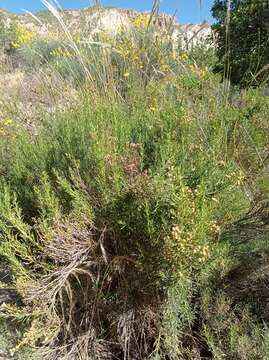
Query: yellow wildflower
x=183, y=56
x=8, y=122
x=23, y=37
x=141, y=21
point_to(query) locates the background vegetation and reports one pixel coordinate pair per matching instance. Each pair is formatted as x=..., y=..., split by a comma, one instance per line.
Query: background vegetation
x=242, y=40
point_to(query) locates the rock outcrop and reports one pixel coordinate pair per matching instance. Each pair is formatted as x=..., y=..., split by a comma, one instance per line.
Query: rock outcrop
x=91, y=21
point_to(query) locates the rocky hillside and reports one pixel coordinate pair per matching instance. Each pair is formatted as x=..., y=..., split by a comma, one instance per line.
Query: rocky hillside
x=93, y=20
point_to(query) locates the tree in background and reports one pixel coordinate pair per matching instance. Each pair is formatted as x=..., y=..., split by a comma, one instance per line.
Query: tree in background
x=242, y=40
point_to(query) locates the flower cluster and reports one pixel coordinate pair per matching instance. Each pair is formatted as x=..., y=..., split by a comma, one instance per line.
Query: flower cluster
x=188, y=244
x=23, y=36
x=201, y=73
x=183, y=56
x=6, y=127
x=141, y=21
x=62, y=52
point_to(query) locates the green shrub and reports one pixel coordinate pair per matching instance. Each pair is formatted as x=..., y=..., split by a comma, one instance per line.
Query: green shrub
x=110, y=208
x=40, y=52
x=136, y=222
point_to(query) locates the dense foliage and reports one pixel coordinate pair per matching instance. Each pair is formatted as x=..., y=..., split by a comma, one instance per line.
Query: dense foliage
x=242, y=40
x=134, y=222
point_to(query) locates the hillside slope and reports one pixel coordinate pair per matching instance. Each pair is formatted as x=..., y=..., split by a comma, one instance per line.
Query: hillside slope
x=91, y=21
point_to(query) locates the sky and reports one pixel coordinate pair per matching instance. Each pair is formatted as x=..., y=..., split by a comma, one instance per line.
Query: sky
x=187, y=11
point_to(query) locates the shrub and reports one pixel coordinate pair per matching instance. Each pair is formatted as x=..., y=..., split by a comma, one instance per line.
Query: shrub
x=136, y=222
x=109, y=218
